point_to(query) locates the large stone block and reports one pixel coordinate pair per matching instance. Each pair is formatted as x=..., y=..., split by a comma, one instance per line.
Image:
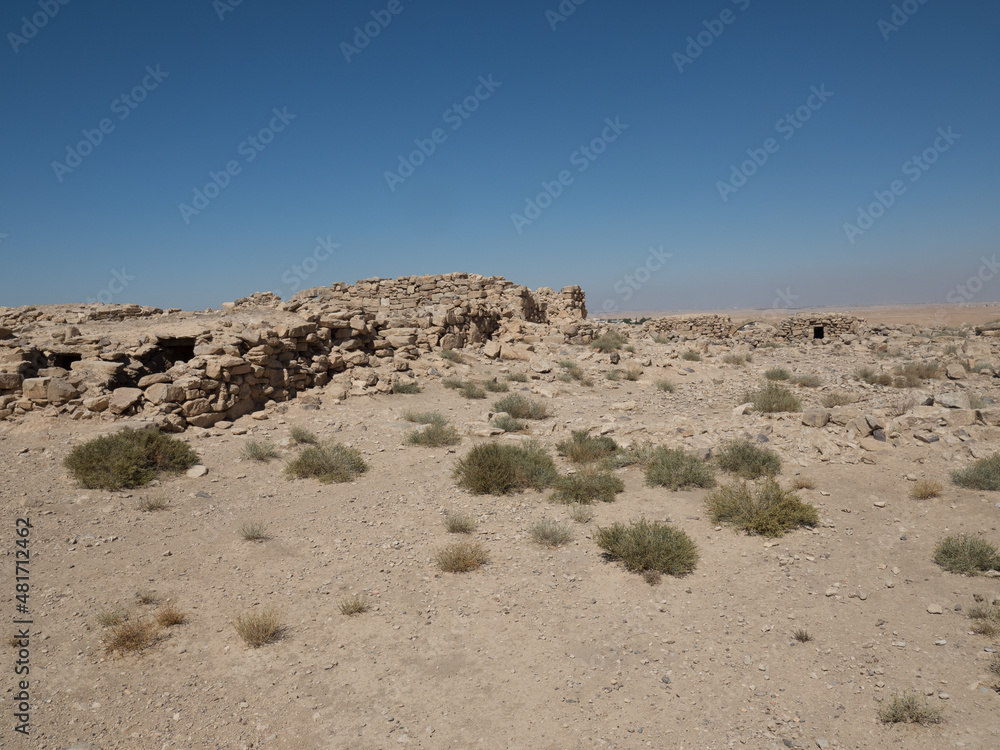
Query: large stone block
x=60, y=390
x=10, y=380
x=123, y=399
x=36, y=388
x=161, y=393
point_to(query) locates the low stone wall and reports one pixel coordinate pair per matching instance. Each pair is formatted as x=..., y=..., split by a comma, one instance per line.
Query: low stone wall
x=805, y=326
x=692, y=326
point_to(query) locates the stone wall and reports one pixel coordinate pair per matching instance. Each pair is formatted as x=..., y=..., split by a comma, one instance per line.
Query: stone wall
x=692, y=326
x=803, y=326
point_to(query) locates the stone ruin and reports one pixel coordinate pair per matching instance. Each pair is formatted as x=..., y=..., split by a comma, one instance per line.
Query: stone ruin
x=200, y=368
x=803, y=326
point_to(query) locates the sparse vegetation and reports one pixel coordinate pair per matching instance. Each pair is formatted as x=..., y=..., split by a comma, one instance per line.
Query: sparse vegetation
x=424, y=417
x=153, y=504
x=659, y=338
x=520, y=406
x=587, y=487
x=918, y=371
x=666, y=386
x=459, y=523
x=736, y=359
x=462, y=557
x=908, y=708
x=747, y=460
x=925, y=489
x=830, y=400
x=691, y=356
x=803, y=483
x=494, y=469
x=581, y=513
x=452, y=383
x=517, y=377
x=113, y=615
x=434, y=435
x=764, y=508
x=637, y=454
x=643, y=546
x=632, y=373
x=259, y=450
x=253, y=531
x=452, y=356
x=355, y=605
x=303, y=436
x=872, y=376
x=583, y=447
x=128, y=458
x=613, y=375
x=771, y=398
x=609, y=341
x=549, y=533
x=966, y=554
x=777, y=373
x=131, y=636
x=400, y=388
x=573, y=371
x=259, y=628
x=801, y=635
x=169, y=615
x=496, y=386
x=470, y=390
x=985, y=619
x=507, y=423
x=328, y=462
x=976, y=401
x=145, y=597
x=676, y=470
x=984, y=474
x=807, y=381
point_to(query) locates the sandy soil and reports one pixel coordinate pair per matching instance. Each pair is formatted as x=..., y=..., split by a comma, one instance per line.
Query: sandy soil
x=541, y=648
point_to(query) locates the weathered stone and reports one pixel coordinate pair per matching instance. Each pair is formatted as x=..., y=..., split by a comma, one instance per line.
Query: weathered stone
x=123, y=399
x=160, y=393
x=954, y=400
x=197, y=471
x=10, y=380
x=35, y=388
x=537, y=364
x=491, y=349
x=60, y=390
x=926, y=437
x=955, y=372
x=156, y=377
x=97, y=403
x=816, y=417
x=206, y=419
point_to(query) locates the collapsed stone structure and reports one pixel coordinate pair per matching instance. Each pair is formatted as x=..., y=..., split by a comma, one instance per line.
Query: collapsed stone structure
x=802, y=326
x=200, y=368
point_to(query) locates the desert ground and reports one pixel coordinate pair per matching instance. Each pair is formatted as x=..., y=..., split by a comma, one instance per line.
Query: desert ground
x=542, y=647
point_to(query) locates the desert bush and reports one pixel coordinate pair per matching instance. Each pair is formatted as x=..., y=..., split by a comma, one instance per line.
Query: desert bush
x=872, y=376
x=771, y=398
x=424, y=417
x=632, y=373
x=496, y=386
x=153, y=504
x=691, y=356
x=400, y=388
x=777, y=373
x=259, y=628
x=303, y=436
x=830, y=400
x=145, y=597
x=452, y=382
x=976, y=401
x=128, y=458
x=462, y=557
x=494, y=469
x=259, y=450
x=643, y=546
x=907, y=708
x=434, y=435
x=355, y=605
x=801, y=635
x=919, y=371
x=131, y=636
x=736, y=359
x=803, y=483
x=328, y=462
x=471, y=390
x=675, y=469
x=507, y=423
x=587, y=487
x=451, y=355
x=747, y=460
x=169, y=615
x=613, y=375
x=807, y=381
x=581, y=513
x=609, y=341
x=926, y=489
x=981, y=367
x=459, y=523
x=253, y=531
x=637, y=454
x=764, y=509
x=985, y=620
x=661, y=339
x=520, y=406
x=984, y=474
x=572, y=370
x=583, y=447
x=517, y=377
x=549, y=533
x=666, y=386
x=113, y=615
x=966, y=554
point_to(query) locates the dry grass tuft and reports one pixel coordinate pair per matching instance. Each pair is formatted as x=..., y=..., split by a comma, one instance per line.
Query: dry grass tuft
x=549, y=533
x=113, y=615
x=259, y=450
x=581, y=513
x=355, y=605
x=259, y=628
x=666, y=386
x=168, y=615
x=803, y=483
x=764, y=509
x=153, y=504
x=131, y=636
x=462, y=557
x=926, y=489
x=801, y=635
x=303, y=436
x=254, y=531
x=459, y=523
x=907, y=708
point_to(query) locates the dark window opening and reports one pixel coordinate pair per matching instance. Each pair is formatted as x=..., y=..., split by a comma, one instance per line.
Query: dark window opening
x=819, y=332
x=64, y=360
x=176, y=350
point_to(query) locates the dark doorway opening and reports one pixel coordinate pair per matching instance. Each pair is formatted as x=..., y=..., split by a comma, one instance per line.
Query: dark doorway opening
x=177, y=350
x=64, y=360
x=819, y=332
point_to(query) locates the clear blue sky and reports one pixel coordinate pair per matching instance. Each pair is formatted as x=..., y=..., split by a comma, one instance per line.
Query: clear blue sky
x=68, y=233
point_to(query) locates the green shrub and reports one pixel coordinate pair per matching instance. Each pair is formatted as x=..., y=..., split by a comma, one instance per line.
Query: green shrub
x=691, y=356
x=966, y=554
x=583, y=447
x=459, y=523
x=661, y=339
x=128, y=458
x=747, y=460
x=549, y=533
x=520, y=406
x=609, y=341
x=777, y=373
x=907, y=708
x=517, y=377
x=405, y=388
x=872, y=376
x=509, y=424
x=434, y=435
x=771, y=398
x=424, y=417
x=258, y=450
x=494, y=469
x=675, y=469
x=472, y=391
x=643, y=546
x=764, y=509
x=637, y=454
x=587, y=487
x=327, y=462
x=666, y=386
x=984, y=474
x=496, y=386
x=830, y=400
x=452, y=356
x=303, y=436
x=807, y=381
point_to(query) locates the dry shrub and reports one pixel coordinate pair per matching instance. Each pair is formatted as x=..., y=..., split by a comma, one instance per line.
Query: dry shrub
x=549, y=533
x=643, y=546
x=984, y=474
x=462, y=557
x=908, y=708
x=434, y=435
x=128, y=458
x=583, y=447
x=764, y=509
x=327, y=462
x=259, y=450
x=355, y=605
x=747, y=460
x=587, y=487
x=966, y=554
x=926, y=489
x=771, y=398
x=520, y=406
x=803, y=483
x=675, y=469
x=169, y=615
x=459, y=523
x=131, y=636
x=494, y=469
x=259, y=628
